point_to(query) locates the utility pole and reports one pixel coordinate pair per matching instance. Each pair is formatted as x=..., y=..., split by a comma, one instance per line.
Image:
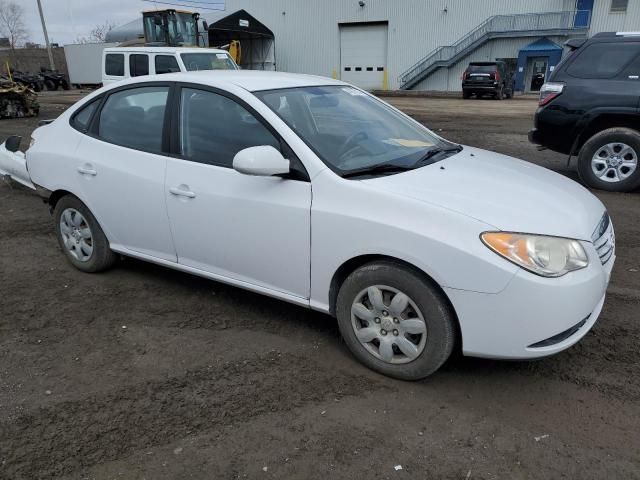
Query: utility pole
x=46, y=37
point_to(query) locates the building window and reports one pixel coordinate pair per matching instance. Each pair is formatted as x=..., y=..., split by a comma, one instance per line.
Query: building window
x=619, y=6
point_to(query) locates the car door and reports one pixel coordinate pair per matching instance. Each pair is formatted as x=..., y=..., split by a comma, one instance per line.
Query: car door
x=122, y=163
x=254, y=230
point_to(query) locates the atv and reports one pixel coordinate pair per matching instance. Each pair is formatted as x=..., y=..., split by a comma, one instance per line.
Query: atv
x=53, y=79
x=34, y=82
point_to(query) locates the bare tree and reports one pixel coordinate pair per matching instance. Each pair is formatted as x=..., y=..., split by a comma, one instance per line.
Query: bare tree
x=98, y=34
x=12, y=23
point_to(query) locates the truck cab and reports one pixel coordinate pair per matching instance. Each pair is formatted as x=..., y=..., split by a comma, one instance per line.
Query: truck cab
x=119, y=63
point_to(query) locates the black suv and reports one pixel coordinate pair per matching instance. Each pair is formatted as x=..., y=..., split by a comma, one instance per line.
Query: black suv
x=481, y=78
x=589, y=108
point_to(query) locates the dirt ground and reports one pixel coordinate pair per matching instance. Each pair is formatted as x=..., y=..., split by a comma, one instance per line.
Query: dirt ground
x=143, y=372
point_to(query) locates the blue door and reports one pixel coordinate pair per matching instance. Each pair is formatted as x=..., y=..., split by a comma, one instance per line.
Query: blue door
x=583, y=13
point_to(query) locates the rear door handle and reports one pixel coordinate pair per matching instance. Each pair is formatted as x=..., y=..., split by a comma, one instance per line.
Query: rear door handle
x=182, y=191
x=87, y=170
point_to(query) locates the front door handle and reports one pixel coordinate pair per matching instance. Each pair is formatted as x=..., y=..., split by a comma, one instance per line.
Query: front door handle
x=182, y=191
x=87, y=170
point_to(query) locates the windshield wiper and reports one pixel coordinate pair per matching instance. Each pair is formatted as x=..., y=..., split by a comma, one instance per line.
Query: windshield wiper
x=436, y=151
x=381, y=169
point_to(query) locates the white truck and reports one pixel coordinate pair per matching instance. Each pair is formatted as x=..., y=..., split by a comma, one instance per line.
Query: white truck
x=84, y=63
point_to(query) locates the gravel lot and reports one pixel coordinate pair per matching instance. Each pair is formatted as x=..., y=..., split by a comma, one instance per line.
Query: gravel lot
x=143, y=372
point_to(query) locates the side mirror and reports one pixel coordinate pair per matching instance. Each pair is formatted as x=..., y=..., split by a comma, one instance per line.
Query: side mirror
x=13, y=143
x=264, y=161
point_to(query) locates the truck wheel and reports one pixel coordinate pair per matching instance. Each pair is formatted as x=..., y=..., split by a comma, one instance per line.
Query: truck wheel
x=65, y=85
x=80, y=236
x=394, y=321
x=610, y=160
x=50, y=85
x=466, y=94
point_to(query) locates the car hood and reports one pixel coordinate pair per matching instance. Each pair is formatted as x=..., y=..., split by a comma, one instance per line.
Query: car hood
x=504, y=192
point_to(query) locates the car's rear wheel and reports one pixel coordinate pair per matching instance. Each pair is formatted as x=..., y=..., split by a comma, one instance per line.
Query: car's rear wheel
x=610, y=160
x=395, y=321
x=500, y=93
x=466, y=94
x=80, y=236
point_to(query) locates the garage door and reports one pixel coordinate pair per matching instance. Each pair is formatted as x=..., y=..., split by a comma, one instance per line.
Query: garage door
x=363, y=54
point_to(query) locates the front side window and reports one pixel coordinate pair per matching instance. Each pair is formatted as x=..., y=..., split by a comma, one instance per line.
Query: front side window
x=603, y=60
x=135, y=118
x=166, y=64
x=208, y=61
x=138, y=65
x=352, y=131
x=214, y=128
x=114, y=64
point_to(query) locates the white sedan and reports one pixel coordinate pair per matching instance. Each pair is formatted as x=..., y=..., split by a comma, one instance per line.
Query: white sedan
x=315, y=192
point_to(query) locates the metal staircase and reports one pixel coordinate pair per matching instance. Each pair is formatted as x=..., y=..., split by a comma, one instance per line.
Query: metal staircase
x=498, y=26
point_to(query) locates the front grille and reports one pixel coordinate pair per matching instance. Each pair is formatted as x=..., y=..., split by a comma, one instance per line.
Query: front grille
x=604, y=239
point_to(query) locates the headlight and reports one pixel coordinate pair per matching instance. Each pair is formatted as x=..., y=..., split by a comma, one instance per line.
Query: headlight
x=545, y=256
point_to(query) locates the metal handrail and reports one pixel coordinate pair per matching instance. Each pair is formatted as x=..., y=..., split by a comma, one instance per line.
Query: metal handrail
x=522, y=22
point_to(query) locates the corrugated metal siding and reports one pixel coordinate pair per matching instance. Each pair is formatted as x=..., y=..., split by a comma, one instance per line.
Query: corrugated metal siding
x=308, y=37
x=499, y=48
x=603, y=21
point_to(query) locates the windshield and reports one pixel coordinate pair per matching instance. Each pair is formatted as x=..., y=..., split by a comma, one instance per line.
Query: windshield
x=207, y=61
x=182, y=30
x=351, y=130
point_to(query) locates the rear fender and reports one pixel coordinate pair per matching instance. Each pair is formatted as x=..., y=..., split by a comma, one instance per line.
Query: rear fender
x=14, y=166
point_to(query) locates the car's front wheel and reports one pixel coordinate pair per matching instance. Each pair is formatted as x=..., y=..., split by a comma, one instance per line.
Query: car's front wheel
x=395, y=321
x=80, y=236
x=610, y=160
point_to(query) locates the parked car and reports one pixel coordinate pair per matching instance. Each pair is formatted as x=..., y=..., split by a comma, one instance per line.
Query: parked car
x=589, y=109
x=120, y=63
x=487, y=78
x=315, y=192
x=53, y=79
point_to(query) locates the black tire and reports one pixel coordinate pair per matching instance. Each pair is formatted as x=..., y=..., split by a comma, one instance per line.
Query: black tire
x=50, y=85
x=439, y=318
x=509, y=93
x=102, y=258
x=466, y=94
x=65, y=85
x=627, y=136
x=500, y=93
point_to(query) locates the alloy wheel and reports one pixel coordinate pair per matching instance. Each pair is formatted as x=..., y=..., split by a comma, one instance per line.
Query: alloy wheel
x=614, y=162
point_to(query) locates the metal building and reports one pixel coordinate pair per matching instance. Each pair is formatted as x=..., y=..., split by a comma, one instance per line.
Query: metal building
x=426, y=44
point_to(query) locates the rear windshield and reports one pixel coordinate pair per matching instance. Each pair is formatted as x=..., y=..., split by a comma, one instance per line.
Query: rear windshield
x=482, y=68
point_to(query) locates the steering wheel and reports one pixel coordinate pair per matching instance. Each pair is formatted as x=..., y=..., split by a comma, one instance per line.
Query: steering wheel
x=351, y=142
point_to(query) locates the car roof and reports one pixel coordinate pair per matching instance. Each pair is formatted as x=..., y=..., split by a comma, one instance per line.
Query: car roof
x=166, y=50
x=251, y=80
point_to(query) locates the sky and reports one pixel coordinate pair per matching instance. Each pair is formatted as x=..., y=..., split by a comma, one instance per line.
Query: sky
x=69, y=19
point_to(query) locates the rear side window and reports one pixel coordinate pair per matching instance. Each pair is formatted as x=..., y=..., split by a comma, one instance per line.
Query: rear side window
x=114, y=64
x=82, y=118
x=135, y=118
x=603, y=60
x=166, y=64
x=138, y=65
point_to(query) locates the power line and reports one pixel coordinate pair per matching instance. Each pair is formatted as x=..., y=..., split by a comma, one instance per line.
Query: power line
x=190, y=4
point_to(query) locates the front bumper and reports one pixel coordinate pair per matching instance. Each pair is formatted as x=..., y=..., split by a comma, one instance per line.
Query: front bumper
x=533, y=316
